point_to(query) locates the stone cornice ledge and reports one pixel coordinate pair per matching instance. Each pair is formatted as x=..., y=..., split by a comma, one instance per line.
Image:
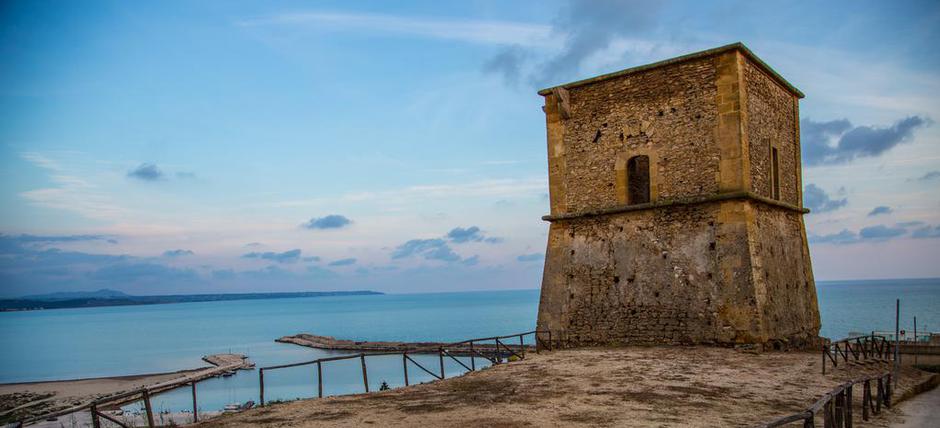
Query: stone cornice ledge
x=677, y=202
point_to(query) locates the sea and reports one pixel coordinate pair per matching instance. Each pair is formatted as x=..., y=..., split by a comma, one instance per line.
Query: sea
x=124, y=340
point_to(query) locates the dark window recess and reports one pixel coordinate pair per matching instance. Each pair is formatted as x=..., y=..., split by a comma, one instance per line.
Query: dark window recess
x=638, y=180
x=774, y=173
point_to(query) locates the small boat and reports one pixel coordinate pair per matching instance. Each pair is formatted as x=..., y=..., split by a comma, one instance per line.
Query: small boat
x=232, y=408
x=228, y=373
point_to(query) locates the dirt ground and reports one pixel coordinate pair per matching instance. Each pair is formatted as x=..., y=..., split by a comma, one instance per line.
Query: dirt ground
x=629, y=387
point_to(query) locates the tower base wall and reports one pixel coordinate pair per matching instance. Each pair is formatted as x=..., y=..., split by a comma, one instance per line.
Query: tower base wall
x=724, y=272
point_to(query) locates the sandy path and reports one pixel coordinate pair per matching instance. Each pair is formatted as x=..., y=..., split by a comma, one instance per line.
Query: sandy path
x=632, y=387
x=920, y=411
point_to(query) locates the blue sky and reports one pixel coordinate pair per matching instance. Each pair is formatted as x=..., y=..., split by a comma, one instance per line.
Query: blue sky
x=176, y=147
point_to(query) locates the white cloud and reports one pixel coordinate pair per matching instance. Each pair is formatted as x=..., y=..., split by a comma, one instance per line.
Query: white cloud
x=471, y=31
x=496, y=188
x=70, y=192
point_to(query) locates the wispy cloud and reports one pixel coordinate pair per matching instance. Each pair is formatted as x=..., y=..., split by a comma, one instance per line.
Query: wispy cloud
x=878, y=233
x=932, y=175
x=46, y=239
x=818, y=201
x=146, y=172
x=177, y=253
x=881, y=232
x=332, y=221
x=534, y=257
x=583, y=31
x=495, y=188
x=471, y=31
x=290, y=256
x=343, y=262
x=927, y=232
x=459, y=235
x=430, y=249
x=70, y=192
x=880, y=210
x=838, y=141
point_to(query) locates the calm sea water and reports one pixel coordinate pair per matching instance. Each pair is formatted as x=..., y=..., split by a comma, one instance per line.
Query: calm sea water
x=92, y=342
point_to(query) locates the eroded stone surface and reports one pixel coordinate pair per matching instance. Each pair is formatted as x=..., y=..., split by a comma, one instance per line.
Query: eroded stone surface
x=717, y=256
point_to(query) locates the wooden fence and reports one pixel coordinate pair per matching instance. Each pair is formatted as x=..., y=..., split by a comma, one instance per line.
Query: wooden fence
x=503, y=350
x=837, y=406
x=858, y=348
x=475, y=348
x=143, y=394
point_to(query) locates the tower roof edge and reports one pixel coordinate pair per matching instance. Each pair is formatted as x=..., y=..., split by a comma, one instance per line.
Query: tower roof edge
x=679, y=59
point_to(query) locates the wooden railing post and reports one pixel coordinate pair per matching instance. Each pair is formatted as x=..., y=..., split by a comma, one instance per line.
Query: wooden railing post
x=95, y=420
x=522, y=346
x=319, y=379
x=497, y=352
x=879, y=395
x=195, y=414
x=810, y=421
x=839, y=407
x=365, y=376
x=440, y=354
x=866, y=399
x=149, y=409
x=261, y=387
x=888, y=391
x=824, y=358
x=473, y=364
x=848, y=406
x=404, y=365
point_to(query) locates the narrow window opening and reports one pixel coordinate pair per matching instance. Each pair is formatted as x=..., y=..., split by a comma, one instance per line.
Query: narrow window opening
x=775, y=173
x=638, y=180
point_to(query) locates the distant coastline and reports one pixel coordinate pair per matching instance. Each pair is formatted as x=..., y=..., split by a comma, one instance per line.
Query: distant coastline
x=31, y=303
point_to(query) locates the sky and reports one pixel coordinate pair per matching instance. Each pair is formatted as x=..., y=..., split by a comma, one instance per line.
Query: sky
x=242, y=146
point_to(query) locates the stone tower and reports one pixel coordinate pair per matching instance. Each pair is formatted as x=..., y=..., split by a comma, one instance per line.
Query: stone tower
x=676, y=207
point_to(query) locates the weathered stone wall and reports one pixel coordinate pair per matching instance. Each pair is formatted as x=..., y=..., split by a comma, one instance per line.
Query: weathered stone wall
x=771, y=122
x=651, y=276
x=783, y=274
x=723, y=272
x=705, y=261
x=667, y=113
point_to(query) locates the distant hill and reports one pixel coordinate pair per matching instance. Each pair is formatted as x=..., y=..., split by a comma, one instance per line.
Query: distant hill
x=103, y=293
x=86, y=299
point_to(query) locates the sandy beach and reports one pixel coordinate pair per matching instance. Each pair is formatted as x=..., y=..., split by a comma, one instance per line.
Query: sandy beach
x=19, y=400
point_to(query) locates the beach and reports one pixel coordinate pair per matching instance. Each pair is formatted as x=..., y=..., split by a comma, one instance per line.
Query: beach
x=28, y=399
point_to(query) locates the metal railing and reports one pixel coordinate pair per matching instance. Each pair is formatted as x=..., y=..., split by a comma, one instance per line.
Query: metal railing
x=837, y=405
x=859, y=348
x=494, y=353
